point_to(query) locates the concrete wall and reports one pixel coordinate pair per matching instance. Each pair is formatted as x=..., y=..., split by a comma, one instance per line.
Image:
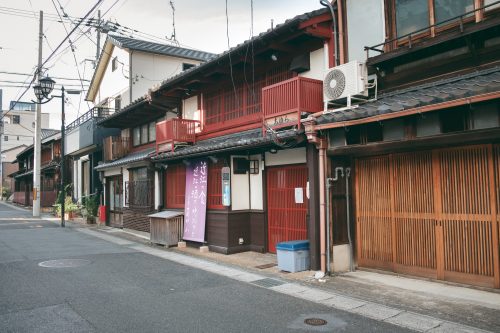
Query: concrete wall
x=150, y=69
x=288, y=156
x=22, y=133
x=317, y=65
x=115, y=83
x=371, y=31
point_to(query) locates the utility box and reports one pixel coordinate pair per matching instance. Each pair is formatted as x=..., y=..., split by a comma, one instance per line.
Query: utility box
x=293, y=256
x=166, y=227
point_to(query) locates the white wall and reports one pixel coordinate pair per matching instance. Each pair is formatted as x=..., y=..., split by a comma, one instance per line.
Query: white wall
x=190, y=108
x=22, y=133
x=288, y=156
x=150, y=69
x=125, y=179
x=317, y=65
x=116, y=82
x=240, y=188
x=157, y=190
x=365, y=26
x=256, y=185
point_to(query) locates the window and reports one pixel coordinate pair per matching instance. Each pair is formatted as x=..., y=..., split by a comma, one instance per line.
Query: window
x=33, y=124
x=16, y=119
x=175, y=186
x=144, y=134
x=214, y=186
x=413, y=15
x=152, y=131
x=187, y=66
x=254, y=167
x=114, y=64
x=17, y=138
x=6, y=138
x=118, y=103
x=137, y=136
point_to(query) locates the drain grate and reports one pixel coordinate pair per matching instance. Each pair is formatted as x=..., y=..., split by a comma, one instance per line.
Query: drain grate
x=268, y=283
x=264, y=266
x=64, y=263
x=315, y=321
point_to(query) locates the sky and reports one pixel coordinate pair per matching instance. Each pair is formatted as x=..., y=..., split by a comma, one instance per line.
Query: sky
x=198, y=24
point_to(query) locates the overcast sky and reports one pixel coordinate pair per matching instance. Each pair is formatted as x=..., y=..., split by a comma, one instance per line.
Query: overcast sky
x=199, y=24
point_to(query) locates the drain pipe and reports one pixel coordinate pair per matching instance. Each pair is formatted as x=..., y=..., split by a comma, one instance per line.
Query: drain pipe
x=334, y=27
x=351, y=256
x=322, y=222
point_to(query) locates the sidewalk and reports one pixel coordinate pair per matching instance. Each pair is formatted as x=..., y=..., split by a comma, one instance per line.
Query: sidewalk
x=424, y=306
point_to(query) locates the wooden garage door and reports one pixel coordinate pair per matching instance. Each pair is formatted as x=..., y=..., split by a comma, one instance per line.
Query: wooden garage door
x=431, y=213
x=286, y=218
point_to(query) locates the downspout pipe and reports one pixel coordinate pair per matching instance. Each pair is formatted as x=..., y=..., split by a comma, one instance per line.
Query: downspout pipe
x=334, y=27
x=322, y=204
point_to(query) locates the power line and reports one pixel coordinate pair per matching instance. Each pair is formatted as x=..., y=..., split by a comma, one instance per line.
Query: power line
x=72, y=50
x=54, y=77
x=51, y=55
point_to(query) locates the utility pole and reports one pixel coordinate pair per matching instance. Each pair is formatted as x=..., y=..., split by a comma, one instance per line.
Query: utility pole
x=98, y=38
x=38, y=131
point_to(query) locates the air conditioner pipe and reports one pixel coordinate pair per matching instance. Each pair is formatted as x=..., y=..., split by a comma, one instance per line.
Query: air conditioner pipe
x=334, y=27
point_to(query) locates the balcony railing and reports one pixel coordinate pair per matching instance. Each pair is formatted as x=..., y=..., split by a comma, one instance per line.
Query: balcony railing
x=94, y=113
x=284, y=102
x=174, y=131
x=115, y=147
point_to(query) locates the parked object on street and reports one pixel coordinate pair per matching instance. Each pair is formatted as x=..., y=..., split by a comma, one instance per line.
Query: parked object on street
x=166, y=227
x=293, y=256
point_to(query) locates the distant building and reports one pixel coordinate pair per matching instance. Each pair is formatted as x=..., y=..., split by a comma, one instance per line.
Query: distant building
x=19, y=125
x=22, y=106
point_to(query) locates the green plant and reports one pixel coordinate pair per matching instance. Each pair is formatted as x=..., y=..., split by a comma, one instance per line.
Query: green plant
x=91, y=205
x=69, y=206
x=6, y=192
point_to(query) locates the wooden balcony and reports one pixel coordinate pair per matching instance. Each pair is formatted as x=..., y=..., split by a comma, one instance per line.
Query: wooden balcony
x=175, y=131
x=284, y=102
x=115, y=147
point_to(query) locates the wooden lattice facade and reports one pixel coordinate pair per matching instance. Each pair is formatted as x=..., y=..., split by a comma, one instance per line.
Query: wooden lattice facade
x=433, y=213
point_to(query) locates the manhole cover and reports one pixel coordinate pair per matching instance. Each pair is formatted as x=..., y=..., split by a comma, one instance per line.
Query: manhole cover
x=63, y=263
x=315, y=321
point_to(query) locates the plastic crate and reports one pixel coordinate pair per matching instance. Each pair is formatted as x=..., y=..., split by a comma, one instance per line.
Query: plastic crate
x=293, y=256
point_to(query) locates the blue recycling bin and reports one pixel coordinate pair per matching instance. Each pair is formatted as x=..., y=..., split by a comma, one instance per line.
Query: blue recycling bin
x=293, y=256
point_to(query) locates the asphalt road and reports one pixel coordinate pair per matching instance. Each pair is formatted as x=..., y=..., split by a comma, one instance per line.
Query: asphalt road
x=114, y=288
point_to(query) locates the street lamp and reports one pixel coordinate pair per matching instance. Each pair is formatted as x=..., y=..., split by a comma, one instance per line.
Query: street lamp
x=42, y=91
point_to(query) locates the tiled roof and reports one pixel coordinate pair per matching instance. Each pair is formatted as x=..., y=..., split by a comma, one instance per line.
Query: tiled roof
x=247, y=139
x=46, y=132
x=461, y=86
x=270, y=33
x=130, y=158
x=145, y=46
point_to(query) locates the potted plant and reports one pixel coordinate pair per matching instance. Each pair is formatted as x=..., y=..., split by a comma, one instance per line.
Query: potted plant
x=90, y=208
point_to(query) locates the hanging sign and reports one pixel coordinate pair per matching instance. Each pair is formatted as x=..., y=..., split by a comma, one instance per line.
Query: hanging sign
x=226, y=186
x=299, y=195
x=195, y=208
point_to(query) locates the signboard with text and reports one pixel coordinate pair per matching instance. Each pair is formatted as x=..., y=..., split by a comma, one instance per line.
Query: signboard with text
x=195, y=208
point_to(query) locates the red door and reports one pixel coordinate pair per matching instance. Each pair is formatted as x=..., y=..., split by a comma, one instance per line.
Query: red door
x=286, y=215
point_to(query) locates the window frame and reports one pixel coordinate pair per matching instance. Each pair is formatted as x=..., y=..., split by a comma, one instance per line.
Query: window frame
x=114, y=64
x=391, y=10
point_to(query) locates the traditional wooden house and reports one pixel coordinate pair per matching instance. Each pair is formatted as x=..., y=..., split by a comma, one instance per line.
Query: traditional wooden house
x=127, y=67
x=126, y=172
x=235, y=120
x=422, y=158
x=50, y=159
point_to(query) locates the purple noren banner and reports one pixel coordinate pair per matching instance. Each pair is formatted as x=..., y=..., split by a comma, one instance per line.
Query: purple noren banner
x=195, y=208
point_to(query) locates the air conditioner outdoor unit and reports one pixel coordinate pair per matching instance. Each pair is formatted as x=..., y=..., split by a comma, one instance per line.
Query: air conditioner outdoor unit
x=346, y=81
